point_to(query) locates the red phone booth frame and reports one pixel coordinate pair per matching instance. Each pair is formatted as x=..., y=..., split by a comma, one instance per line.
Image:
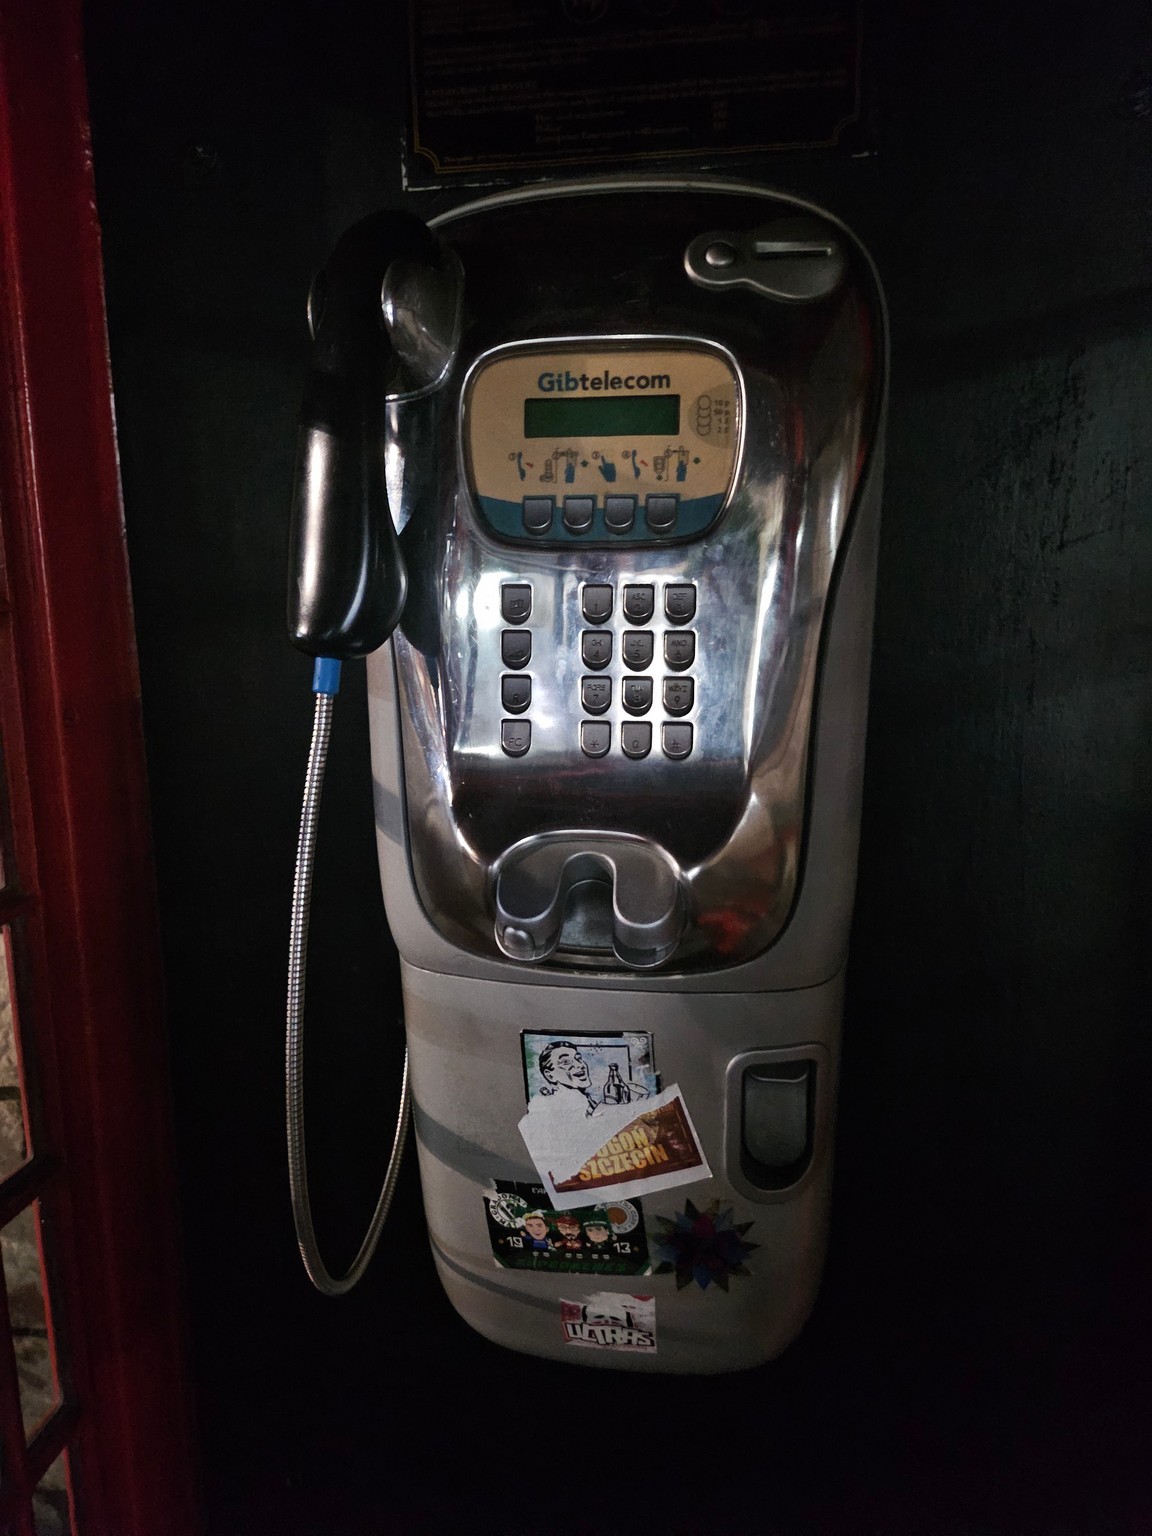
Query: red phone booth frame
x=77, y=895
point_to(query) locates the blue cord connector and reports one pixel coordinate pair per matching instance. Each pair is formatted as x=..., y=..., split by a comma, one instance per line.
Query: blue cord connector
x=326, y=675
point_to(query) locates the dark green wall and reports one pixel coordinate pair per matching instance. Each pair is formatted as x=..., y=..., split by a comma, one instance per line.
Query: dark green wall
x=980, y=1357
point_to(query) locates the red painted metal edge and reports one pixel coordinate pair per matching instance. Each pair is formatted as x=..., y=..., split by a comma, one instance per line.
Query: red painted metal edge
x=79, y=808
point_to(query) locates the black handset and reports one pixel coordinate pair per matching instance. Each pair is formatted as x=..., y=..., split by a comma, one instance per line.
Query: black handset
x=347, y=579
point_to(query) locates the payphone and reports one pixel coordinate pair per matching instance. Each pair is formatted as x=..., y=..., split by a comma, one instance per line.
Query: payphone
x=603, y=461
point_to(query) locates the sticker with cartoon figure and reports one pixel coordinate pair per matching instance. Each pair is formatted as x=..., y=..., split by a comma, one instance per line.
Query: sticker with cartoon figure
x=706, y=1246
x=611, y=1320
x=597, y=1123
x=526, y=1233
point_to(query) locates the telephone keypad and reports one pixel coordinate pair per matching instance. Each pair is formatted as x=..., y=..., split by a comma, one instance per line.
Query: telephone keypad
x=516, y=694
x=639, y=604
x=637, y=647
x=676, y=739
x=679, y=649
x=679, y=695
x=596, y=604
x=680, y=603
x=537, y=513
x=516, y=647
x=578, y=513
x=636, y=738
x=516, y=736
x=596, y=694
x=636, y=695
x=516, y=602
x=596, y=647
x=595, y=738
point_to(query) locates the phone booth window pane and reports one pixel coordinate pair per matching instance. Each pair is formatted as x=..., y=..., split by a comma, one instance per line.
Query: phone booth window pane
x=51, y=1506
x=28, y=1308
x=13, y=1125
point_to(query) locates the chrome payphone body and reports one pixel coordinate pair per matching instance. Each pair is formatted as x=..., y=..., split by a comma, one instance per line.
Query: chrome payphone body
x=632, y=449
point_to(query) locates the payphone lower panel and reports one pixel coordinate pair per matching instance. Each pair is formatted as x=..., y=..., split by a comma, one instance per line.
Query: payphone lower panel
x=714, y=1273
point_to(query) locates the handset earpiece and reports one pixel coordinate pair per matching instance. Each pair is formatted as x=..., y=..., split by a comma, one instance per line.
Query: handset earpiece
x=347, y=580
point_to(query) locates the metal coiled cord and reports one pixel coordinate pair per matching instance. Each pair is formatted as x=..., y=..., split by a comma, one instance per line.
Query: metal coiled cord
x=293, y=1067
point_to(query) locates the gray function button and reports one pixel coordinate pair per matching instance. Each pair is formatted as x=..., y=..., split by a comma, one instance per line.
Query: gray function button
x=516, y=647
x=636, y=738
x=680, y=603
x=537, y=513
x=516, y=602
x=595, y=737
x=677, y=739
x=596, y=604
x=679, y=649
x=596, y=647
x=660, y=513
x=679, y=694
x=515, y=736
x=637, y=695
x=516, y=694
x=619, y=513
x=637, y=649
x=595, y=694
x=639, y=604
x=578, y=513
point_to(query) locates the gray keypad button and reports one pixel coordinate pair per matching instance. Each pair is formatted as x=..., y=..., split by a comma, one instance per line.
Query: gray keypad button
x=660, y=513
x=676, y=738
x=537, y=513
x=680, y=603
x=679, y=695
x=595, y=737
x=595, y=694
x=636, y=738
x=596, y=604
x=639, y=604
x=596, y=647
x=516, y=602
x=637, y=647
x=578, y=513
x=515, y=736
x=679, y=649
x=516, y=694
x=619, y=513
x=516, y=647
x=636, y=695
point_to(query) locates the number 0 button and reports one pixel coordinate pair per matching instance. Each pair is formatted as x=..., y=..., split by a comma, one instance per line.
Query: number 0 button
x=636, y=738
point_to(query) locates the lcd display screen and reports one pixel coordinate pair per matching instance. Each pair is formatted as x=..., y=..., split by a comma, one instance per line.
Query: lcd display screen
x=632, y=416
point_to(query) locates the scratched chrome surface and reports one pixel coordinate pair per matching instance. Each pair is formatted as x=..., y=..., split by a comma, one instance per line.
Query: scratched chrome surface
x=732, y=815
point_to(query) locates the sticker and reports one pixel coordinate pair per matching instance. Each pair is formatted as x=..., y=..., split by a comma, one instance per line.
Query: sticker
x=611, y=1320
x=526, y=1233
x=706, y=1246
x=580, y=1073
x=597, y=1123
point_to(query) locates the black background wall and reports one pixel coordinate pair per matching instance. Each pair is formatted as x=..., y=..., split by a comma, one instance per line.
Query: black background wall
x=979, y=1359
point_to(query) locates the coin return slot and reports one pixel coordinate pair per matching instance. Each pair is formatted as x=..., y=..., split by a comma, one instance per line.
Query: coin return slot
x=777, y=1116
